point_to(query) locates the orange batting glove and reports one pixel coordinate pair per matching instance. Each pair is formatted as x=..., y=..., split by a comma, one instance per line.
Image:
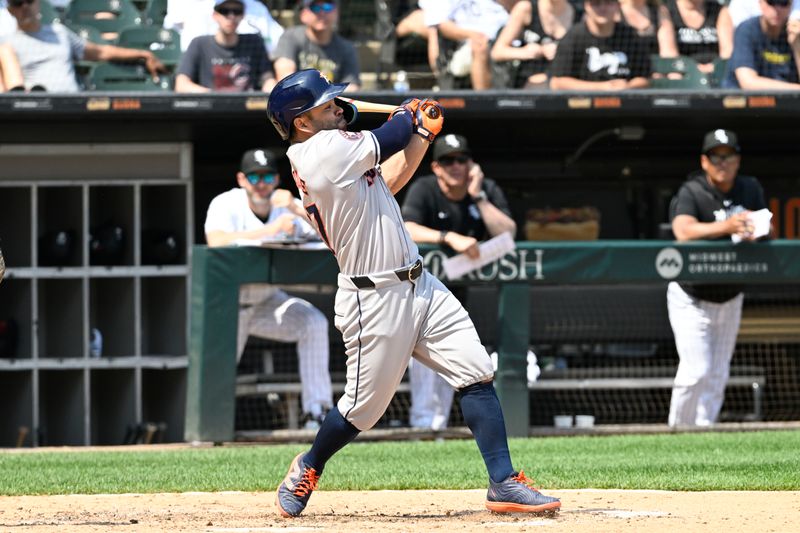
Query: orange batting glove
x=430, y=119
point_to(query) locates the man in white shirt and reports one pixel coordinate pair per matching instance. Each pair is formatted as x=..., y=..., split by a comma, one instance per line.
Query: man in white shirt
x=474, y=24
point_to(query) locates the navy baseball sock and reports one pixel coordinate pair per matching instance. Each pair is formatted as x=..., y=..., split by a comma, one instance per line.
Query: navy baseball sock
x=482, y=413
x=333, y=435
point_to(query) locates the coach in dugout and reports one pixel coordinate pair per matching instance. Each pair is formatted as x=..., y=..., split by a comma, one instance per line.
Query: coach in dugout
x=714, y=203
x=456, y=207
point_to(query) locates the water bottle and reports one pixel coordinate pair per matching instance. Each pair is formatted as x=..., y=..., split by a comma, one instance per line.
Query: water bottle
x=401, y=84
x=96, y=343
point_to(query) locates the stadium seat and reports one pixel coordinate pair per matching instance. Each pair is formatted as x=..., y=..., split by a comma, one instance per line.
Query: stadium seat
x=720, y=66
x=49, y=13
x=90, y=33
x=165, y=44
x=108, y=16
x=690, y=75
x=154, y=12
x=123, y=77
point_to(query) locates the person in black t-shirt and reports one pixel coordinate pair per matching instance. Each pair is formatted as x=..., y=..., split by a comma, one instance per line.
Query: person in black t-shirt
x=226, y=61
x=600, y=54
x=456, y=207
x=713, y=203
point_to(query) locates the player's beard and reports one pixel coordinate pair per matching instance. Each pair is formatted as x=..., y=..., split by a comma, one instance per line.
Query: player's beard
x=333, y=123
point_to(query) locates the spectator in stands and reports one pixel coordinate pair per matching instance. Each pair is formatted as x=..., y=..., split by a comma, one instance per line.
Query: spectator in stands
x=316, y=44
x=456, y=207
x=600, y=54
x=471, y=26
x=413, y=23
x=257, y=210
x=765, y=52
x=714, y=203
x=704, y=30
x=530, y=38
x=225, y=61
x=8, y=24
x=10, y=71
x=47, y=52
x=652, y=22
x=194, y=18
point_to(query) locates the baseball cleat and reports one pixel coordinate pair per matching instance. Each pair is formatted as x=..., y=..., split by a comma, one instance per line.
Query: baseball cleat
x=296, y=489
x=516, y=494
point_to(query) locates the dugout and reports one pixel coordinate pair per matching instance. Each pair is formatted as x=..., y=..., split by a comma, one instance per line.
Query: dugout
x=523, y=140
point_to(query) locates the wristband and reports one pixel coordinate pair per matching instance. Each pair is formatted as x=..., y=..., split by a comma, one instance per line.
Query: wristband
x=442, y=235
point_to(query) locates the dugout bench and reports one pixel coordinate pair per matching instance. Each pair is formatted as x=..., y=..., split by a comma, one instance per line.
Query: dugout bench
x=218, y=272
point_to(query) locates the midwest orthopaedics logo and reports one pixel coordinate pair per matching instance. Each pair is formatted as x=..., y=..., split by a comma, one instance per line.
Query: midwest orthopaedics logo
x=669, y=263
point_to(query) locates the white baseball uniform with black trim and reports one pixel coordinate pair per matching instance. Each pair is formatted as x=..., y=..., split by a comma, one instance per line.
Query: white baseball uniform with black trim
x=388, y=307
x=705, y=318
x=266, y=311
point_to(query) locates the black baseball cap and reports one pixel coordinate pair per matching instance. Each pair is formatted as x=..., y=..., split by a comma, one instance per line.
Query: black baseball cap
x=218, y=3
x=716, y=138
x=259, y=160
x=450, y=144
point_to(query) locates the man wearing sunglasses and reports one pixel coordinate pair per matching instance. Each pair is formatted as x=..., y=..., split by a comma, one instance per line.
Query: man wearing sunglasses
x=714, y=203
x=766, y=50
x=47, y=52
x=456, y=207
x=257, y=210
x=225, y=61
x=315, y=44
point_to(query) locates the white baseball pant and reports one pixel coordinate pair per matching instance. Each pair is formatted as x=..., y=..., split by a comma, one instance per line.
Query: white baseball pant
x=284, y=318
x=705, y=337
x=383, y=326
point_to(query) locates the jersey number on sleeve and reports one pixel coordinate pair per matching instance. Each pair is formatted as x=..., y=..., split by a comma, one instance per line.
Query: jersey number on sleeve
x=316, y=219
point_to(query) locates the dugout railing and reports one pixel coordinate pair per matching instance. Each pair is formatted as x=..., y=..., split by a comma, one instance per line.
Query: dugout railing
x=218, y=273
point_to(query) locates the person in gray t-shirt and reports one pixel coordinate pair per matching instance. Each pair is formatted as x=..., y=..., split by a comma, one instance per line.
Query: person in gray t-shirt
x=226, y=61
x=47, y=52
x=315, y=44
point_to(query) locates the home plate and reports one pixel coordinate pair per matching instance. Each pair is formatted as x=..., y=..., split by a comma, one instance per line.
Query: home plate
x=618, y=513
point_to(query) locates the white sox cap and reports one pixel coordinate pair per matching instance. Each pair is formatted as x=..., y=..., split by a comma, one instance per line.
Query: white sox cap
x=450, y=144
x=716, y=138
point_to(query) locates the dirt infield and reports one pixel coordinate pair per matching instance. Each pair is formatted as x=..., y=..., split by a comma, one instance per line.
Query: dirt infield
x=593, y=511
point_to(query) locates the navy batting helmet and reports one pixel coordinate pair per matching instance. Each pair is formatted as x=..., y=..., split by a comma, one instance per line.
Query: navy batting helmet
x=297, y=93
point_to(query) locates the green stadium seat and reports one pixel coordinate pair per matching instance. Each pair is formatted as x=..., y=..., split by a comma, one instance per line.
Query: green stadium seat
x=108, y=16
x=165, y=44
x=155, y=11
x=690, y=75
x=90, y=33
x=720, y=66
x=123, y=77
x=49, y=13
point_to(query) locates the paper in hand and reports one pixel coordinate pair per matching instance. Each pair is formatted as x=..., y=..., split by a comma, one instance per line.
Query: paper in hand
x=761, y=224
x=491, y=250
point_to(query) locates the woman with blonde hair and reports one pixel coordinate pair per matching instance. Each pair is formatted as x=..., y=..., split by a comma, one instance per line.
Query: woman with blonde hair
x=651, y=20
x=10, y=71
x=528, y=42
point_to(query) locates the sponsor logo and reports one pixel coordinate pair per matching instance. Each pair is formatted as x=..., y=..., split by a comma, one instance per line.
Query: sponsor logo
x=519, y=265
x=669, y=263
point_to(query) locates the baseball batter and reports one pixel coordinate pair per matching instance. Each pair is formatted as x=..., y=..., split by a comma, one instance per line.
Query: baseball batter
x=714, y=203
x=388, y=308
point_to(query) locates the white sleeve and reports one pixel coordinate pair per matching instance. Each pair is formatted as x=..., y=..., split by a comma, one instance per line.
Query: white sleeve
x=434, y=13
x=218, y=216
x=353, y=153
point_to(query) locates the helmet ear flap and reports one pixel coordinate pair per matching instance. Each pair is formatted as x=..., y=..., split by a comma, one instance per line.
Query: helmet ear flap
x=350, y=111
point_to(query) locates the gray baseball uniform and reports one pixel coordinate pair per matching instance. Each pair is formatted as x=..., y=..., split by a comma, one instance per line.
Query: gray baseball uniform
x=388, y=307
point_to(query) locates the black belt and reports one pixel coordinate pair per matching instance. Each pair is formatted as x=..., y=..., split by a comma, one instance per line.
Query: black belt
x=404, y=274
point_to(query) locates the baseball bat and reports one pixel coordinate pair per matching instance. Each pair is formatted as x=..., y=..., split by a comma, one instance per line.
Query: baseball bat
x=369, y=107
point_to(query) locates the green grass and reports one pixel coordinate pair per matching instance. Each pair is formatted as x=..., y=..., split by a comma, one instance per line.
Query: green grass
x=691, y=461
